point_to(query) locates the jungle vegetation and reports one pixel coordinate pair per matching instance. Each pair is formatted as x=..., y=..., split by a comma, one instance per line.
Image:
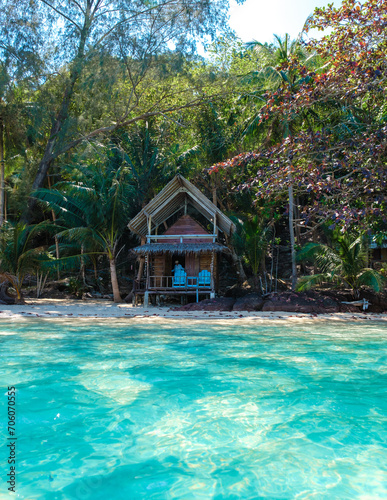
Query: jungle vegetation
x=289, y=138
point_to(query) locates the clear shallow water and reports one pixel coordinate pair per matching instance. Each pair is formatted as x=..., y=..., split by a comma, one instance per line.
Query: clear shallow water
x=183, y=410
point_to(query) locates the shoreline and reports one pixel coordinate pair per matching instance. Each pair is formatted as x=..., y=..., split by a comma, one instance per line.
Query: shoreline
x=104, y=309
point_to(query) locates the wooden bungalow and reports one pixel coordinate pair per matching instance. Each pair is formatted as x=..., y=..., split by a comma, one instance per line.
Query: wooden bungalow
x=378, y=253
x=180, y=231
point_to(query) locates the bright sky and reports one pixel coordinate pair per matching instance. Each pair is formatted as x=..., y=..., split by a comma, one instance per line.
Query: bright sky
x=260, y=19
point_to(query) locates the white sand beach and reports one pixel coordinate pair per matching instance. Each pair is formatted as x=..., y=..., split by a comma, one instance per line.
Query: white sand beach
x=103, y=309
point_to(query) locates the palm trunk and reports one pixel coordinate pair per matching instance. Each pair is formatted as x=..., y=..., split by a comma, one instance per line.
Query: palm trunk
x=19, y=296
x=95, y=269
x=113, y=277
x=236, y=260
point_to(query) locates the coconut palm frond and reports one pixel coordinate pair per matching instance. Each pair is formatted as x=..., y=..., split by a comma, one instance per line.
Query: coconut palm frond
x=308, y=252
x=32, y=259
x=9, y=278
x=84, y=236
x=373, y=279
x=344, y=260
x=63, y=206
x=324, y=257
x=67, y=263
x=307, y=282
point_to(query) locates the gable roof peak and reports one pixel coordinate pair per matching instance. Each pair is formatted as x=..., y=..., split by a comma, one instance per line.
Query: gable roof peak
x=168, y=201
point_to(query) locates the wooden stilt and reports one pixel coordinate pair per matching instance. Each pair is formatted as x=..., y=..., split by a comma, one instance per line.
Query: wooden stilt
x=212, y=295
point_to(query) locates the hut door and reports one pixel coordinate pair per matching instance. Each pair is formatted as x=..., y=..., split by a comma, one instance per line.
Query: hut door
x=192, y=264
x=158, y=270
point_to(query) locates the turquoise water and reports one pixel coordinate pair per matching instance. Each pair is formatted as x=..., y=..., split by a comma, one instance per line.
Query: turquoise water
x=185, y=410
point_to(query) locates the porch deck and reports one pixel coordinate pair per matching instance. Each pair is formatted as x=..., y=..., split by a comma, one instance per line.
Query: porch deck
x=171, y=285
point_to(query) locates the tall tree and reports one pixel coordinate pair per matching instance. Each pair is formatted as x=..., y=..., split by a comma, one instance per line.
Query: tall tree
x=20, y=67
x=96, y=208
x=277, y=72
x=337, y=155
x=133, y=32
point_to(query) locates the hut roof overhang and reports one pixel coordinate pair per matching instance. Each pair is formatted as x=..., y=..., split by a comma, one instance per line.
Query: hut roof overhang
x=180, y=248
x=170, y=199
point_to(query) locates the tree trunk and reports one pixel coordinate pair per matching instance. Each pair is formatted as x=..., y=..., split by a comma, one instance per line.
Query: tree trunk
x=19, y=297
x=214, y=190
x=82, y=269
x=113, y=275
x=49, y=152
x=236, y=260
x=55, y=237
x=292, y=239
x=2, y=174
x=95, y=269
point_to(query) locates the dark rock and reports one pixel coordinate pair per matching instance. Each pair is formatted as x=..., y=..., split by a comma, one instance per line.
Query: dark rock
x=250, y=302
x=377, y=301
x=4, y=297
x=308, y=302
x=219, y=304
x=237, y=292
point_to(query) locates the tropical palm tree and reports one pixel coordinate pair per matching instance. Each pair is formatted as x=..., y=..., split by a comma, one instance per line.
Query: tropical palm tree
x=18, y=256
x=251, y=240
x=343, y=261
x=96, y=210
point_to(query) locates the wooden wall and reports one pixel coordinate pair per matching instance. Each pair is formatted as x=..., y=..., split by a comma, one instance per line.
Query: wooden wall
x=158, y=265
x=185, y=225
x=161, y=265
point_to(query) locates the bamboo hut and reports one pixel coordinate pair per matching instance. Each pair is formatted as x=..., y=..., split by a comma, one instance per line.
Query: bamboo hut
x=181, y=234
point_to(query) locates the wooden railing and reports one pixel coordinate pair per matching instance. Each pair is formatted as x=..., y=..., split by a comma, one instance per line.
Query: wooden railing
x=171, y=283
x=180, y=237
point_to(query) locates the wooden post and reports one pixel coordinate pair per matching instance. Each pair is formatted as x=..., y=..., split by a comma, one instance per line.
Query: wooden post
x=147, y=272
x=146, y=294
x=142, y=263
x=212, y=295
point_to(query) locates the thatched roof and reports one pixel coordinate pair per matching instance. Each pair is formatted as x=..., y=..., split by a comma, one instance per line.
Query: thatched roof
x=180, y=248
x=173, y=196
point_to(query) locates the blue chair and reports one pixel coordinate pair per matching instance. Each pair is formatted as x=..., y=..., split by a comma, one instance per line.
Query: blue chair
x=179, y=279
x=204, y=278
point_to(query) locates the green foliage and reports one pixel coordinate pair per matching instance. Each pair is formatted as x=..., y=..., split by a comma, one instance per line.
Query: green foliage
x=76, y=287
x=343, y=261
x=19, y=254
x=149, y=157
x=251, y=240
x=96, y=210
